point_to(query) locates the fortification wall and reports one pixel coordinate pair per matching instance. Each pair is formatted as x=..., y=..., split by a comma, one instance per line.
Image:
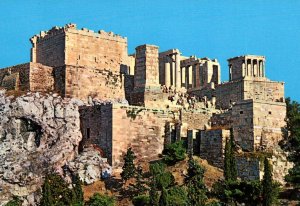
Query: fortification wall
x=212, y=145
x=115, y=128
x=41, y=78
x=141, y=129
x=27, y=77
x=195, y=120
x=264, y=90
x=96, y=128
x=15, y=77
x=81, y=82
x=48, y=48
x=234, y=91
x=257, y=125
x=228, y=93
x=102, y=50
x=69, y=46
x=268, y=124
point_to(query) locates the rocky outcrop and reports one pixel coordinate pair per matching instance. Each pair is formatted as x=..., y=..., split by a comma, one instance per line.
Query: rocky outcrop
x=38, y=134
x=91, y=166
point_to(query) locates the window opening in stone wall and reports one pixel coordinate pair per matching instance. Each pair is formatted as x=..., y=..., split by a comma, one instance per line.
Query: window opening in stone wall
x=270, y=112
x=88, y=132
x=241, y=112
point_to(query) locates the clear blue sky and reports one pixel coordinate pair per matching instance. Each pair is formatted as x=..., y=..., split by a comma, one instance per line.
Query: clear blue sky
x=213, y=28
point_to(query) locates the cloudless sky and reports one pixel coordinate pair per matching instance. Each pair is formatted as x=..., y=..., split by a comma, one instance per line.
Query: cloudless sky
x=205, y=28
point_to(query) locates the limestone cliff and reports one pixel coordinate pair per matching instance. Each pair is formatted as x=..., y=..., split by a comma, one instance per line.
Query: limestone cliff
x=38, y=134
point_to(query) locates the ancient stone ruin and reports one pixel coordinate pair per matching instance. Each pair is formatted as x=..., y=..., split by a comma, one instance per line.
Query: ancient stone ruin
x=151, y=98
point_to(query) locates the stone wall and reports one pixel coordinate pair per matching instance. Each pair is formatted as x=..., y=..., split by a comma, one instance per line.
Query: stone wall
x=268, y=124
x=228, y=93
x=82, y=82
x=195, y=120
x=146, y=76
x=248, y=168
x=257, y=125
x=212, y=145
x=48, y=48
x=96, y=127
x=15, y=77
x=103, y=50
x=264, y=90
x=115, y=128
x=41, y=78
x=70, y=46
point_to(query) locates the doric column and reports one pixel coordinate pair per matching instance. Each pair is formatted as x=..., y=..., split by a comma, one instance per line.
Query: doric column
x=190, y=76
x=263, y=69
x=251, y=70
x=197, y=71
x=173, y=73
x=194, y=76
x=247, y=69
x=258, y=68
x=177, y=71
x=183, y=77
x=167, y=74
x=187, y=74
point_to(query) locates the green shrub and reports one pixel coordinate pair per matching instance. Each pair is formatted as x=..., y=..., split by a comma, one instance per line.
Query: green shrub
x=14, y=202
x=174, y=152
x=141, y=200
x=247, y=192
x=177, y=196
x=100, y=200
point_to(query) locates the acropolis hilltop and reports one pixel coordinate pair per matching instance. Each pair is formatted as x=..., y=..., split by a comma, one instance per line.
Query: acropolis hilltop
x=151, y=98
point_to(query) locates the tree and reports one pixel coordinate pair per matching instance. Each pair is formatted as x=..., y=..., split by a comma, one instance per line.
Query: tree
x=77, y=191
x=269, y=189
x=196, y=189
x=292, y=141
x=100, y=200
x=174, y=152
x=55, y=191
x=139, y=183
x=160, y=179
x=230, y=168
x=242, y=192
x=128, y=167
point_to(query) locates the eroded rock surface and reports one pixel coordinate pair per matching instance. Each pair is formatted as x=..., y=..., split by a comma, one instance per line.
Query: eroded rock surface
x=91, y=166
x=38, y=133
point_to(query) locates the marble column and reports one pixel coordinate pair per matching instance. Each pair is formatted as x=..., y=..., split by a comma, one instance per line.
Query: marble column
x=243, y=70
x=197, y=71
x=194, y=76
x=255, y=72
x=177, y=71
x=190, y=76
x=183, y=77
x=173, y=73
x=167, y=74
x=258, y=68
